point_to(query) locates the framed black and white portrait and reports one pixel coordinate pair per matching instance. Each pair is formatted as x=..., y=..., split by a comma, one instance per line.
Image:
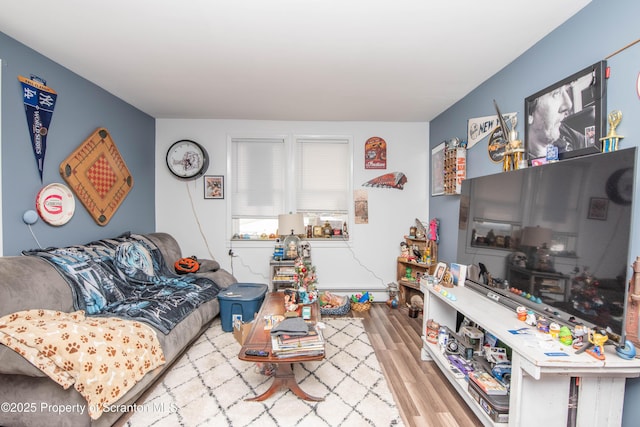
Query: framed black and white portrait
x=569, y=114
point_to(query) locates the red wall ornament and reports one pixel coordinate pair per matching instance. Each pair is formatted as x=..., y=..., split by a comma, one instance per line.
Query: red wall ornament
x=375, y=153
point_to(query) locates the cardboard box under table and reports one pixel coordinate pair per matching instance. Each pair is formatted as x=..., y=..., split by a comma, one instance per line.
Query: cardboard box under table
x=240, y=301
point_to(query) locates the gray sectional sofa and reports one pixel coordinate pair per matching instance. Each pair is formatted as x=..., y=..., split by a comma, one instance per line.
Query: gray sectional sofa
x=28, y=396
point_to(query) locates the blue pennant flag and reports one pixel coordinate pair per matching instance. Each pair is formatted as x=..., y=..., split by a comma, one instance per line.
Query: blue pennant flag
x=39, y=101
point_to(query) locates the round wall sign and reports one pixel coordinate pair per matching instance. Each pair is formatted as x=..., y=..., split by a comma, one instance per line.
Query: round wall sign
x=496, y=145
x=55, y=204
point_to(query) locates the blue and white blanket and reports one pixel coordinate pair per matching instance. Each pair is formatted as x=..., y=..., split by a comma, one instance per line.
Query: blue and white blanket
x=127, y=277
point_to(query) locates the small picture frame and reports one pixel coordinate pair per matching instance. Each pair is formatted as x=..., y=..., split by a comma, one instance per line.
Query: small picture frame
x=458, y=274
x=214, y=187
x=598, y=207
x=317, y=231
x=441, y=269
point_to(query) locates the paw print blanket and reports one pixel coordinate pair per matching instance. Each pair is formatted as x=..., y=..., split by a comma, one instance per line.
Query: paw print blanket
x=101, y=357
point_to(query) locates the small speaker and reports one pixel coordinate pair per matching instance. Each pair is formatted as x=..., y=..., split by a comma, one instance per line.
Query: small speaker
x=30, y=217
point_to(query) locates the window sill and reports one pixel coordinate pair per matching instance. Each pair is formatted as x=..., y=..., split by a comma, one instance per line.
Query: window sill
x=338, y=241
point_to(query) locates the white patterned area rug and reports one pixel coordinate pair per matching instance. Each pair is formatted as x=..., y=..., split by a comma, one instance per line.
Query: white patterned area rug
x=209, y=384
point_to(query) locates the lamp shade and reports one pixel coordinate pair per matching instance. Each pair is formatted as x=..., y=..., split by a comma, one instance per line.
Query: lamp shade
x=290, y=223
x=536, y=237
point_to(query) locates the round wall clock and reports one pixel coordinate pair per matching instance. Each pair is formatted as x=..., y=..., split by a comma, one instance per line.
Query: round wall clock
x=619, y=186
x=187, y=159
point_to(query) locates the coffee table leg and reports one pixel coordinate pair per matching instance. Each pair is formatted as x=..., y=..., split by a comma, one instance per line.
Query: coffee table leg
x=284, y=377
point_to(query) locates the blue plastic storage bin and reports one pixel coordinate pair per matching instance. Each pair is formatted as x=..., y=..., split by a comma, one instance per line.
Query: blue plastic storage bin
x=243, y=299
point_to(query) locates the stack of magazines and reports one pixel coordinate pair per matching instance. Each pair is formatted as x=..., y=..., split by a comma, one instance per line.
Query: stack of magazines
x=294, y=337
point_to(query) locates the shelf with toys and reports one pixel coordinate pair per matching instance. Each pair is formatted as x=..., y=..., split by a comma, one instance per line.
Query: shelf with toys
x=543, y=370
x=460, y=383
x=418, y=256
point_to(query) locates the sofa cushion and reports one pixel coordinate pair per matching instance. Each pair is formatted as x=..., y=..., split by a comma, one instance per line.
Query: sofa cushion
x=29, y=282
x=208, y=265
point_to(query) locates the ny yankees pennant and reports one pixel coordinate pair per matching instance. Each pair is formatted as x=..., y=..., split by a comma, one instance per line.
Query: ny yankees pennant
x=39, y=101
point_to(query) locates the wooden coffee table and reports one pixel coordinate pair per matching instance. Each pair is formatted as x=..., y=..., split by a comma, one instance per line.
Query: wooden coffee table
x=260, y=339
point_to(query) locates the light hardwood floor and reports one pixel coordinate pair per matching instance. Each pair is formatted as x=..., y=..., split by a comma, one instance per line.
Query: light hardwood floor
x=422, y=393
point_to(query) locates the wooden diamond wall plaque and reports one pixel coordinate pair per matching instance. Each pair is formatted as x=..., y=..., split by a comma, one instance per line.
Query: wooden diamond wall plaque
x=98, y=176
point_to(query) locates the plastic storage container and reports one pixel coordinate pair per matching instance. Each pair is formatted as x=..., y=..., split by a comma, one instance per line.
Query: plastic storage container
x=240, y=300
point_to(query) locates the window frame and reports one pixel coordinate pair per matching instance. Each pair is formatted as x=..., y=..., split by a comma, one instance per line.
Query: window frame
x=290, y=141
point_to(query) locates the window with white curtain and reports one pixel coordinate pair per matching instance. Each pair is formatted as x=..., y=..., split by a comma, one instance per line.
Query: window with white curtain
x=305, y=174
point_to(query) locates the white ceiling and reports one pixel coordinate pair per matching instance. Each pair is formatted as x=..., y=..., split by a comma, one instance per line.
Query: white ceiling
x=370, y=60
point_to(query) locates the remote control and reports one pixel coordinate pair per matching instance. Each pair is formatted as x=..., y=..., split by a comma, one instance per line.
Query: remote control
x=259, y=353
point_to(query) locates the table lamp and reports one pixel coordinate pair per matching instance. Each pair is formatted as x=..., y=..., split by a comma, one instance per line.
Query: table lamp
x=290, y=226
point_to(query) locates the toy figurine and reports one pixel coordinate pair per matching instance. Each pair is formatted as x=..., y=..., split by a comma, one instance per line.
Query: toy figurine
x=434, y=230
x=292, y=250
x=290, y=300
x=597, y=339
x=404, y=250
x=531, y=318
x=579, y=331
x=565, y=336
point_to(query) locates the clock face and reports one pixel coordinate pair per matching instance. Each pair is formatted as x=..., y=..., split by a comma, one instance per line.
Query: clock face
x=619, y=186
x=187, y=159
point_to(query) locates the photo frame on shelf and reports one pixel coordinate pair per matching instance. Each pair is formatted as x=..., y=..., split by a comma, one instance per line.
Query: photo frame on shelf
x=440, y=271
x=458, y=274
x=213, y=187
x=437, y=169
x=570, y=114
x=598, y=207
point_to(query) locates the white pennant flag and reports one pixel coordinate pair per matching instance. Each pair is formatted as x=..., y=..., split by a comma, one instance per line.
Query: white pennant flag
x=478, y=128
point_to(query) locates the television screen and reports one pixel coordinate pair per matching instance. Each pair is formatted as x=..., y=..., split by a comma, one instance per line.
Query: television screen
x=557, y=234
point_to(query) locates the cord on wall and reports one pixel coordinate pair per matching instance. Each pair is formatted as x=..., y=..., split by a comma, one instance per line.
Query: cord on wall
x=353, y=254
x=34, y=236
x=195, y=215
x=233, y=255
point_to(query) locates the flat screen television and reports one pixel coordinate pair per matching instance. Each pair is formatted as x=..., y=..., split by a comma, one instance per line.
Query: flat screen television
x=557, y=233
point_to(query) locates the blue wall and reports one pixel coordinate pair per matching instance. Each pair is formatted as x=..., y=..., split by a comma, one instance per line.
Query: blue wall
x=81, y=108
x=597, y=31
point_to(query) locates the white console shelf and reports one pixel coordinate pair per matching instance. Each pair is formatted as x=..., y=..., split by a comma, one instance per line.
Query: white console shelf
x=541, y=370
